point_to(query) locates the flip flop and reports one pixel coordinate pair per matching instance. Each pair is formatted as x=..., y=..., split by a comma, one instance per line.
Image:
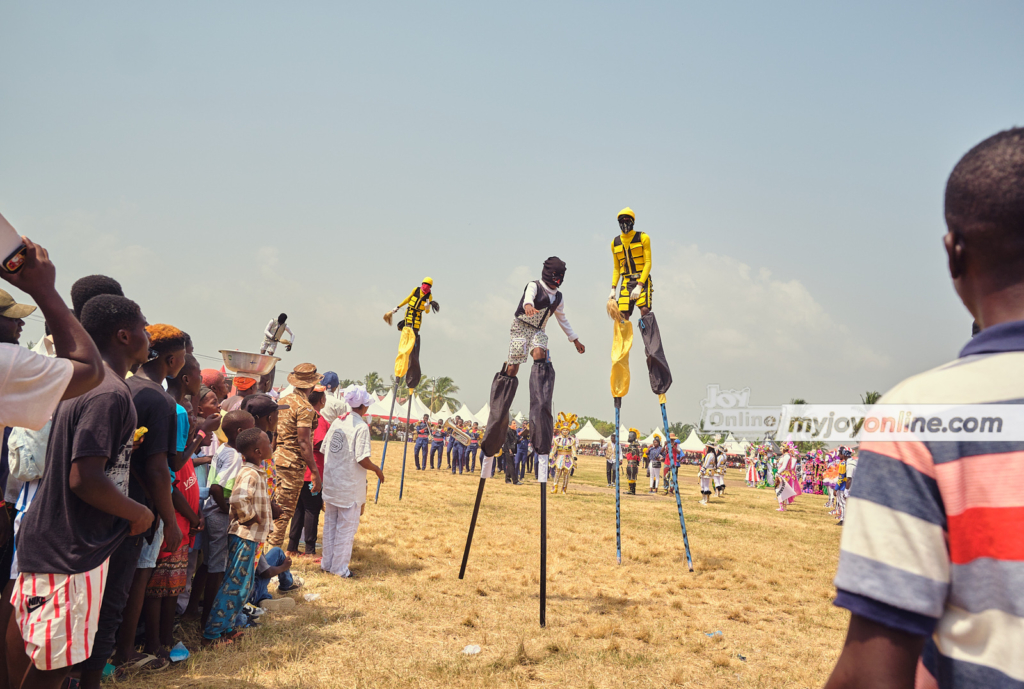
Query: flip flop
x=147, y=663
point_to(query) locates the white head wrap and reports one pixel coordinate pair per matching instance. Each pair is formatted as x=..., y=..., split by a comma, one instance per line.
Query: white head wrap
x=357, y=396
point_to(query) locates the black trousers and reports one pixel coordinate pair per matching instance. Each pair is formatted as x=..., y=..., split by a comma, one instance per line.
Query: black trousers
x=609, y=471
x=307, y=516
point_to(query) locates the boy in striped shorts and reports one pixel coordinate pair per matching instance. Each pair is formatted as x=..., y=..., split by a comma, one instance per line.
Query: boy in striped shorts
x=932, y=558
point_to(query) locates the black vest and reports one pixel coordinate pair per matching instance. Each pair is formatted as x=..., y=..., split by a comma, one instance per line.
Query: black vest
x=540, y=302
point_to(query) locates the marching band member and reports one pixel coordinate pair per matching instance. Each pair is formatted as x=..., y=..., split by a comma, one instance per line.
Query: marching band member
x=422, y=441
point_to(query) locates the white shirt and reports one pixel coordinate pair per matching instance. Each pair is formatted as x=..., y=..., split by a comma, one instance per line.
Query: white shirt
x=346, y=444
x=531, y=294
x=334, y=406
x=271, y=332
x=31, y=385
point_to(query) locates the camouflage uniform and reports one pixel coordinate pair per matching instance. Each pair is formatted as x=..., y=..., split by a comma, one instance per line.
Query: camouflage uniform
x=288, y=462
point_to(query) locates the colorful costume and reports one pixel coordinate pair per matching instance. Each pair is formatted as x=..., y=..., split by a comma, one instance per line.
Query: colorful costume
x=633, y=453
x=719, y=474
x=563, y=450
x=654, y=457
x=419, y=301
x=707, y=469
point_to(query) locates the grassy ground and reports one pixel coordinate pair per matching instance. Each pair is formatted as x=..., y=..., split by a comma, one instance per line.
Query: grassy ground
x=762, y=578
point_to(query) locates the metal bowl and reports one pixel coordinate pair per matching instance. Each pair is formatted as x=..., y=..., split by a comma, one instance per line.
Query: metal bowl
x=248, y=362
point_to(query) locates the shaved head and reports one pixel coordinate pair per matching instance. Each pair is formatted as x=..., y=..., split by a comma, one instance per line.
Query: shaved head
x=985, y=206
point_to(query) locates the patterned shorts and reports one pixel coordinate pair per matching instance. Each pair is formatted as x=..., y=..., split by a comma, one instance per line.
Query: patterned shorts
x=57, y=615
x=524, y=338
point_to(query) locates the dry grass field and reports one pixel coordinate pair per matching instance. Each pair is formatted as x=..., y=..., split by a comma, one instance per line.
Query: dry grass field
x=762, y=578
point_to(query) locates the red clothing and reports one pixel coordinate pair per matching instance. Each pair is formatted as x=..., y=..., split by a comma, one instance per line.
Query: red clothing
x=188, y=485
x=319, y=433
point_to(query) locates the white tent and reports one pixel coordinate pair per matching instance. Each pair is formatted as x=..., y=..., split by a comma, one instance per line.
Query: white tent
x=649, y=440
x=465, y=414
x=419, y=410
x=692, y=443
x=441, y=414
x=483, y=414
x=382, y=407
x=519, y=417
x=589, y=434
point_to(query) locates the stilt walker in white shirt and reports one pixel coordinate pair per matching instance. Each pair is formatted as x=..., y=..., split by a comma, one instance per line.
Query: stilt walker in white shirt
x=540, y=301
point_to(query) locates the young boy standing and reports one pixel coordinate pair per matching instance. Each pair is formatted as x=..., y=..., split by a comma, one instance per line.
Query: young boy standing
x=82, y=511
x=251, y=521
x=216, y=511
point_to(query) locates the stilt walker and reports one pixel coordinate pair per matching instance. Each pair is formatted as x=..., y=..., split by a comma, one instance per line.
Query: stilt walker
x=631, y=258
x=540, y=301
x=564, y=450
x=407, y=363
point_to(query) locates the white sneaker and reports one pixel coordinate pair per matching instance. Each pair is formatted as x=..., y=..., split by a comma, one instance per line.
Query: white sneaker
x=277, y=604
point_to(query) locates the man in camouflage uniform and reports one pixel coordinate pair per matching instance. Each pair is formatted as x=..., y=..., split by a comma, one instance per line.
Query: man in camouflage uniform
x=294, y=453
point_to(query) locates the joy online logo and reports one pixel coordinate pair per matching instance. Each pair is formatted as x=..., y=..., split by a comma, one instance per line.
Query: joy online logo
x=729, y=411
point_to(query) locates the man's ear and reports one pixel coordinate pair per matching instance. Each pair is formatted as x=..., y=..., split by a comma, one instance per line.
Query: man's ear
x=956, y=254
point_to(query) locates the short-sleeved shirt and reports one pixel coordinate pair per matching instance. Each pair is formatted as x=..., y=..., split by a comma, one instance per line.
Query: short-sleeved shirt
x=157, y=412
x=187, y=483
x=31, y=385
x=932, y=540
x=61, y=533
x=347, y=443
x=299, y=414
x=250, y=498
x=223, y=472
x=319, y=433
x=181, y=424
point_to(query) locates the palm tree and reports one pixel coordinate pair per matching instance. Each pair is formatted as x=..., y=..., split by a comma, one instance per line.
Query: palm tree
x=374, y=383
x=437, y=391
x=798, y=400
x=403, y=390
x=345, y=382
x=870, y=397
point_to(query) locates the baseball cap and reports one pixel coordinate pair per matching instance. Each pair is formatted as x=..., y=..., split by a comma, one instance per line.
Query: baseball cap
x=12, y=309
x=330, y=380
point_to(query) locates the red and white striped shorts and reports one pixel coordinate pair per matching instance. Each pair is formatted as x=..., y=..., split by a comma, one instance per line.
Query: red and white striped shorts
x=57, y=615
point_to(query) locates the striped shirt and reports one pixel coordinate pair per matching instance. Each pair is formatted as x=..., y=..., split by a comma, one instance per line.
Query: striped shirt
x=933, y=541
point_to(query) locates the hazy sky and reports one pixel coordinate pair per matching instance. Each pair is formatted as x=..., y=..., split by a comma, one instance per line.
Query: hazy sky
x=230, y=162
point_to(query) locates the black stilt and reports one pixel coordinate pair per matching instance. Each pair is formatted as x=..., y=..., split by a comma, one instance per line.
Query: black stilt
x=485, y=465
x=543, y=545
x=405, y=449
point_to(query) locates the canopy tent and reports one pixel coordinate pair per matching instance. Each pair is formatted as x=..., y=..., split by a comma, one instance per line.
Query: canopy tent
x=485, y=411
x=466, y=415
x=382, y=408
x=692, y=443
x=737, y=448
x=589, y=434
x=519, y=417
x=649, y=440
x=441, y=414
x=419, y=410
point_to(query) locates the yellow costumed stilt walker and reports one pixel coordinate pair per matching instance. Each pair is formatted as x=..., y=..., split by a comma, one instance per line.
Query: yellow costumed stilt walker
x=563, y=450
x=407, y=363
x=633, y=288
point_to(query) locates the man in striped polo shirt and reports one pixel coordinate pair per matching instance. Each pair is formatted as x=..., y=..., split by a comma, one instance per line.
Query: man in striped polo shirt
x=932, y=556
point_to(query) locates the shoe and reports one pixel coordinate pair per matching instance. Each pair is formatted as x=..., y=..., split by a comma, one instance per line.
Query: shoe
x=277, y=604
x=297, y=583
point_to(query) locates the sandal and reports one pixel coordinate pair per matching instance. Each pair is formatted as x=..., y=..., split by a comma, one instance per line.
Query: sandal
x=146, y=663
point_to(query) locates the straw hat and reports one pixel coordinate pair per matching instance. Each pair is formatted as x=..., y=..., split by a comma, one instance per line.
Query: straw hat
x=304, y=376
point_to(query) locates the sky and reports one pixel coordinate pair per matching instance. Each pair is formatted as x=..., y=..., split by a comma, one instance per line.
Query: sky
x=230, y=161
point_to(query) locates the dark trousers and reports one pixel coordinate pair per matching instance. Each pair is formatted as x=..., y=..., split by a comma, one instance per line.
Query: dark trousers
x=609, y=471
x=436, y=448
x=521, y=462
x=471, y=457
x=307, y=516
x=449, y=443
x=421, y=444
x=456, y=461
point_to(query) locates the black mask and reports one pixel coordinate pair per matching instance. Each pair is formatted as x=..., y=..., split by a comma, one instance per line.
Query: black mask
x=553, y=272
x=625, y=224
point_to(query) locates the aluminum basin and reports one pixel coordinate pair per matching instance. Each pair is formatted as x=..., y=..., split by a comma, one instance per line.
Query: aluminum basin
x=248, y=362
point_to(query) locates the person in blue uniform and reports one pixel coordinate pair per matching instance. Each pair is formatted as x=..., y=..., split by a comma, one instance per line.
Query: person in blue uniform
x=422, y=442
x=436, y=445
x=474, y=445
